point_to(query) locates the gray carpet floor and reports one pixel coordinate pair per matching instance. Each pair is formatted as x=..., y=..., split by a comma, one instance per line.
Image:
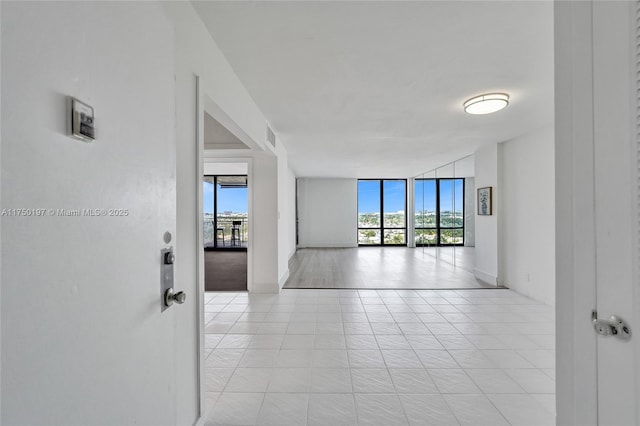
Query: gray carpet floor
x=225, y=270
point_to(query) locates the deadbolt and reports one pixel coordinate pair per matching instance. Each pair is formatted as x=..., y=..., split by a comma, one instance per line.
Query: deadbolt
x=167, y=260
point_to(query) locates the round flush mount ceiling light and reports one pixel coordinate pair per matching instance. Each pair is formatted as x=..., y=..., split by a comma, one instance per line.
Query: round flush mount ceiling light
x=486, y=104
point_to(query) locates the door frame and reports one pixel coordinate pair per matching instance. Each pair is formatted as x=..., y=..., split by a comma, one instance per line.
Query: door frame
x=205, y=104
x=199, y=169
x=576, y=360
x=208, y=105
x=577, y=385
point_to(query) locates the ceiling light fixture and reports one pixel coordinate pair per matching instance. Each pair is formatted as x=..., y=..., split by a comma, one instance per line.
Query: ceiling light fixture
x=486, y=104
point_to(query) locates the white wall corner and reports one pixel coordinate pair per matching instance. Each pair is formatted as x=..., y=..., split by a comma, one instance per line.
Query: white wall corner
x=266, y=288
x=283, y=279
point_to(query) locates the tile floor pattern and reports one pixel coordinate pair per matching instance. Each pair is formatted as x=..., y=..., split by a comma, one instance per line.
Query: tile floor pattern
x=379, y=357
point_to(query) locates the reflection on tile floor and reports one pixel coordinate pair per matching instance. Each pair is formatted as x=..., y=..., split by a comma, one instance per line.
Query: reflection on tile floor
x=379, y=357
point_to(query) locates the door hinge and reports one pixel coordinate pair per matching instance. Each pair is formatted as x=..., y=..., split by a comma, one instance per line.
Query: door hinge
x=613, y=326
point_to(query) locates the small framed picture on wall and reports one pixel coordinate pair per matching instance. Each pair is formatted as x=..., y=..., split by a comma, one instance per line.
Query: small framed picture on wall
x=82, y=121
x=485, y=204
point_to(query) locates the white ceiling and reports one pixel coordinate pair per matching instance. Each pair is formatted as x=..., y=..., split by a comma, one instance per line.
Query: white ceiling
x=375, y=89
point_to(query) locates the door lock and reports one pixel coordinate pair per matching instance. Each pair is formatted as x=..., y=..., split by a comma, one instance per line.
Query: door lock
x=166, y=279
x=170, y=297
x=613, y=326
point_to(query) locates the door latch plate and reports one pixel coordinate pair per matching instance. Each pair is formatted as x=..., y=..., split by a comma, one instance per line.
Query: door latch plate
x=613, y=326
x=166, y=279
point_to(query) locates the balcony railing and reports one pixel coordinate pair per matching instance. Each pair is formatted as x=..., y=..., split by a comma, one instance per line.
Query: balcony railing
x=230, y=232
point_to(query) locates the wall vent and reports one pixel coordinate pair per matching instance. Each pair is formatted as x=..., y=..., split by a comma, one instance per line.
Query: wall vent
x=271, y=137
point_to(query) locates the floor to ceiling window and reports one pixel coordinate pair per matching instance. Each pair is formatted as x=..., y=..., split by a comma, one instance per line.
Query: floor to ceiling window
x=439, y=212
x=225, y=206
x=382, y=205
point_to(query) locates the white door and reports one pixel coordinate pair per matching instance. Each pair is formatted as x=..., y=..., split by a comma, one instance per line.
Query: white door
x=616, y=200
x=84, y=340
x=597, y=161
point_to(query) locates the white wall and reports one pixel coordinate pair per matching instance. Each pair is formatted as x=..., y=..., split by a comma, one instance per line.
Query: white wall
x=469, y=212
x=328, y=212
x=285, y=214
x=286, y=219
x=486, y=238
x=528, y=223
x=515, y=246
x=84, y=341
x=265, y=223
x=291, y=190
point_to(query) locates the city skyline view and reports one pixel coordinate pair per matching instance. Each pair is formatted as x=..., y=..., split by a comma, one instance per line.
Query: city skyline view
x=382, y=212
x=438, y=211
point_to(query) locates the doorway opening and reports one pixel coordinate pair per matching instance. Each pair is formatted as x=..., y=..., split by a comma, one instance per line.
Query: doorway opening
x=226, y=224
x=225, y=213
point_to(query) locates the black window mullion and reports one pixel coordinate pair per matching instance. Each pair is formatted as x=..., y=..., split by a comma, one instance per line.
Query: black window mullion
x=463, y=208
x=215, y=211
x=381, y=182
x=438, y=240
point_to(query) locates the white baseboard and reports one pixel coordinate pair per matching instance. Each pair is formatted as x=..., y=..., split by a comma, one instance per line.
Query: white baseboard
x=350, y=245
x=283, y=279
x=201, y=419
x=265, y=288
x=485, y=277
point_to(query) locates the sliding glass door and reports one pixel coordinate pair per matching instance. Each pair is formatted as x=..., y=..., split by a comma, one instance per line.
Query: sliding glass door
x=225, y=205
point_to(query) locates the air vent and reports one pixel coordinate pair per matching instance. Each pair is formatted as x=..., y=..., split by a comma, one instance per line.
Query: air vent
x=271, y=137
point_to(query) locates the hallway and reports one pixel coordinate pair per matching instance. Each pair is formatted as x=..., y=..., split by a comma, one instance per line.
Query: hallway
x=385, y=357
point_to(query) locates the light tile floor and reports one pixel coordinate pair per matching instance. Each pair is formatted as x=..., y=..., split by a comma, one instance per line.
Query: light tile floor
x=379, y=357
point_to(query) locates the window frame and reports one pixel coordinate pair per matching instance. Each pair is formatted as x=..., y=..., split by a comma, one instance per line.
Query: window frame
x=215, y=206
x=438, y=228
x=382, y=227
